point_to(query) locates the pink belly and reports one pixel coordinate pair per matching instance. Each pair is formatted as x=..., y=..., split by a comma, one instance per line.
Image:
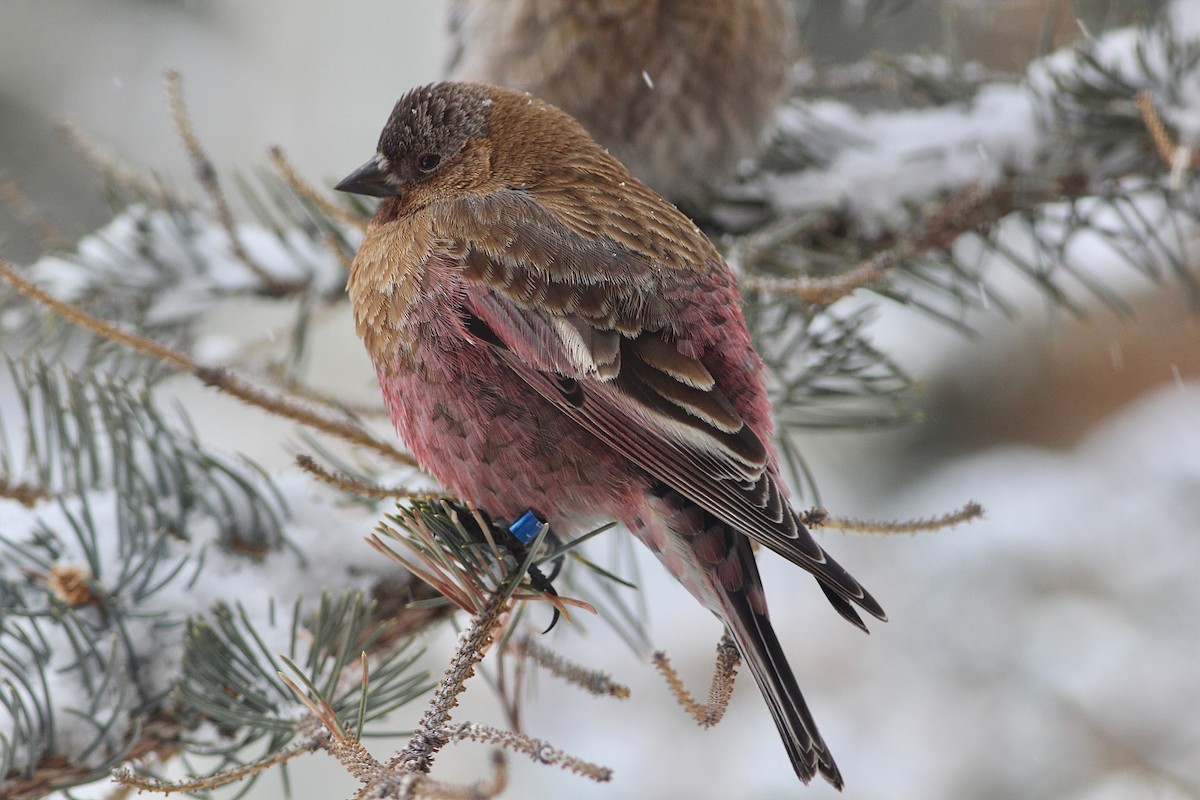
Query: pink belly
x=490, y=439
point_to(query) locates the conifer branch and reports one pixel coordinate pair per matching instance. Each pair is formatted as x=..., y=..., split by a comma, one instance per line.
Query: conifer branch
x=430, y=737
x=538, y=750
x=218, y=378
x=823, y=291
x=313, y=195
x=120, y=174
x=139, y=782
x=206, y=174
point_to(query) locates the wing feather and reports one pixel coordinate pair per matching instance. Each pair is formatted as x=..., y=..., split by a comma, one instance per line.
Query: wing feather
x=604, y=352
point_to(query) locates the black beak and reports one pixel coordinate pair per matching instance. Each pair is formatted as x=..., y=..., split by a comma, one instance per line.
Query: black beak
x=369, y=179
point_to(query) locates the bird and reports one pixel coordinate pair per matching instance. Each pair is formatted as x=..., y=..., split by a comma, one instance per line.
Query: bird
x=551, y=335
x=678, y=90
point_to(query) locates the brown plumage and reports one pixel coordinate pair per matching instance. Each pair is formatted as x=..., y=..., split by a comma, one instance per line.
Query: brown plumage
x=678, y=90
x=552, y=335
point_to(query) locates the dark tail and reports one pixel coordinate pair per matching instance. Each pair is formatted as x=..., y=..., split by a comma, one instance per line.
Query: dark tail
x=760, y=650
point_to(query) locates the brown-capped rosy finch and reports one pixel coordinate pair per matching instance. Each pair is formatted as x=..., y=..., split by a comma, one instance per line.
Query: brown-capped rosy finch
x=552, y=335
x=678, y=90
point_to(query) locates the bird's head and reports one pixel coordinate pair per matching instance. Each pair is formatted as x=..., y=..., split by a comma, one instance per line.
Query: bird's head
x=434, y=145
x=449, y=140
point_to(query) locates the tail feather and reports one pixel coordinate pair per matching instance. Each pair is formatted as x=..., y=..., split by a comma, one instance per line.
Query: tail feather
x=836, y=582
x=842, y=607
x=760, y=650
x=716, y=563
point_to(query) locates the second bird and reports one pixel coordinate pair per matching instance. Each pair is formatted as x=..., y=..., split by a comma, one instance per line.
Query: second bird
x=678, y=90
x=552, y=335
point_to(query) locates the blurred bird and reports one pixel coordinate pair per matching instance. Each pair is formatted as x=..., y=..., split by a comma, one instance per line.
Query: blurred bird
x=678, y=90
x=552, y=335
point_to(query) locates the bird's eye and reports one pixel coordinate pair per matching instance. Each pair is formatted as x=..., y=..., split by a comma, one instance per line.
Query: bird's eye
x=428, y=161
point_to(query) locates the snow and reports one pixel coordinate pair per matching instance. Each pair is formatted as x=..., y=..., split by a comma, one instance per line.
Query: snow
x=186, y=258
x=896, y=158
x=892, y=161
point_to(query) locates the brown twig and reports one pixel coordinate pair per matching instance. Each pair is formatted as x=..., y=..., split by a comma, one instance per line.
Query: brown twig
x=539, y=750
x=1168, y=150
x=206, y=174
x=749, y=253
x=971, y=209
x=430, y=736
x=416, y=785
x=47, y=232
x=352, y=485
x=117, y=171
x=480, y=790
x=594, y=681
x=724, y=672
x=216, y=377
x=159, y=737
x=310, y=193
x=146, y=783
x=968, y=513
x=823, y=291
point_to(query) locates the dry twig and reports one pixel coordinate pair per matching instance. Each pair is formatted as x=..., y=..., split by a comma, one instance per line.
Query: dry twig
x=724, y=672
x=351, y=485
x=969, y=512
x=206, y=174
x=310, y=193
x=1173, y=154
x=824, y=291
x=47, y=232
x=594, y=681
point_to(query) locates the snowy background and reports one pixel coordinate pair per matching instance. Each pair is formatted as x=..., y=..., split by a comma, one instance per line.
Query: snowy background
x=1048, y=651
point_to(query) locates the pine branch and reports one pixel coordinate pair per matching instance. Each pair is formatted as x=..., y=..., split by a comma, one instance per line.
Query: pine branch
x=217, y=378
x=87, y=431
x=206, y=174
x=230, y=675
x=131, y=491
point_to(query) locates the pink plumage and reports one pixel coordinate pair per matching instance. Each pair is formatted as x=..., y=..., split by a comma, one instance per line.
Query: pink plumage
x=550, y=334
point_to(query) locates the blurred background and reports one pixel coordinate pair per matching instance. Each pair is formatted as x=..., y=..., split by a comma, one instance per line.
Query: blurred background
x=1050, y=650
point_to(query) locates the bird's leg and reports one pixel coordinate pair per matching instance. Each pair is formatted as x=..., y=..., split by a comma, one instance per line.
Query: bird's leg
x=524, y=531
x=724, y=672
